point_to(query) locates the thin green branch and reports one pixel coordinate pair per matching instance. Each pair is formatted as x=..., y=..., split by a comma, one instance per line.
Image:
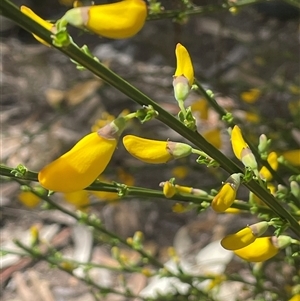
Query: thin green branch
x=201, y=10
x=11, y=11
x=141, y=192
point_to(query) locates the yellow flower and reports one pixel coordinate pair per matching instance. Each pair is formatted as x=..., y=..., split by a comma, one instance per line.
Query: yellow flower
x=244, y=237
x=241, y=148
x=213, y=137
x=180, y=172
x=178, y=208
x=168, y=189
x=251, y=96
x=227, y=194
x=80, y=199
x=29, y=199
x=201, y=106
x=254, y=198
x=264, y=172
x=79, y=167
x=292, y=156
x=231, y=210
x=184, y=64
x=295, y=298
x=263, y=248
x=184, y=74
x=118, y=20
x=49, y=26
x=155, y=151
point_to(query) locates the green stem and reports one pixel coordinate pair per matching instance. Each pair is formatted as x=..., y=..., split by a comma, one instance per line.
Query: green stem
x=102, y=289
x=11, y=11
x=141, y=192
x=201, y=10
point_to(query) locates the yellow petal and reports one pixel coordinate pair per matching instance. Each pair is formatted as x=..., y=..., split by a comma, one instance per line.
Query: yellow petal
x=261, y=249
x=146, y=150
x=29, y=199
x=118, y=20
x=169, y=189
x=201, y=106
x=214, y=138
x=224, y=198
x=238, y=240
x=49, y=26
x=79, y=199
x=292, y=156
x=105, y=195
x=272, y=160
x=79, y=167
x=184, y=64
x=295, y=298
x=180, y=172
x=237, y=141
x=251, y=96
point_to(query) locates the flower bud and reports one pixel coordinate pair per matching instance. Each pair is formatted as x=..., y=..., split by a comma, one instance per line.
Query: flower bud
x=227, y=194
x=241, y=149
x=295, y=189
x=168, y=189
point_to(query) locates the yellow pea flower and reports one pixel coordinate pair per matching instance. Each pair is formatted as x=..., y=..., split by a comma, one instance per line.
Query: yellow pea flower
x=29, y=199
x=79, y=199
x=79, y=167
x=263, y=248
x=227, y=194
x=264, y=172
x=213, y=137
x=49, y=26
x=295, y=298
x=184, y=74
x=241, y=149
x=244, y=237
x=251, y=96
x=293, y=157
x=118, y=20
x=168, y=189
x=178, y=208
x=180, y=172
x=184, y=64
x=201, y=106
x=155, y=151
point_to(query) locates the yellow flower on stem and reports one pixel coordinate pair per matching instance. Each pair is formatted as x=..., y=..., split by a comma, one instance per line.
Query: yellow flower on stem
x=244, y=237
x=264, y=172
x=118, y=20
x=184, y=74
x=241, y=149
x=263, y=248
x=295, y=298
x=226, y=196
x=49, y=26
x=80, y=167
x=213, y=137
x=29, y=199
x=168, y=188
x=251, y=96
x=80, y=199
x=292, y=156
x=155, y=151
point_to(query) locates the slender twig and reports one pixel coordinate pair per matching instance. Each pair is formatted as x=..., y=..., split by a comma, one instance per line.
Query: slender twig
x=11, y=11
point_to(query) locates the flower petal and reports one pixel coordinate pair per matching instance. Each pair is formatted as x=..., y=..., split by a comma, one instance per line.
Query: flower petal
x=79, y=167
x=184, y=64
x=118, y=20
x=260, y=250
